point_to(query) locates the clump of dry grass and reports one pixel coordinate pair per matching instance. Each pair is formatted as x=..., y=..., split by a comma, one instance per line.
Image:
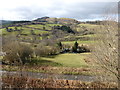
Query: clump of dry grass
x=49, y=69
x=26, y=82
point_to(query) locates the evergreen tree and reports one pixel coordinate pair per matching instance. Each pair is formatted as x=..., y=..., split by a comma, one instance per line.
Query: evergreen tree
x=7, y=29
x=16, y=29
x=75, y=47
x=60, y=45
x=43, y=28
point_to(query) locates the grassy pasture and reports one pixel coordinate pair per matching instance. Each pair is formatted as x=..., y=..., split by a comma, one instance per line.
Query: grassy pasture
x=69, y=63
x=80, y=42
x=81, y=27
x=40, y=32
x=88, y=25
x=47, y=26
x=39, y=26
x=64, y=60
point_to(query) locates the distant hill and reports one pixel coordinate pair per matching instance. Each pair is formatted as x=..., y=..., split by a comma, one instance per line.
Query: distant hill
x=42, y=19
x=5, y=21
x=56, y=20
x=48, y=20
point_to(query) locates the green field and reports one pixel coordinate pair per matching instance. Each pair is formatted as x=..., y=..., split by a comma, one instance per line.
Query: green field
x=64, y=60
x=25, y=30
x=37, y=29
x=80, y=42
x=46, y=26
x=40, y=32
x=39, y=26
x=89, y=25
x=89, y=35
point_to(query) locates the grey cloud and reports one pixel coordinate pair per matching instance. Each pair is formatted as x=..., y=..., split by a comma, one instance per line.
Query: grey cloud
x=78, y=11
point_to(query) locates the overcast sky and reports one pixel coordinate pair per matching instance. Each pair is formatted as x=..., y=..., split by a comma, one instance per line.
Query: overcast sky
x=31, y=9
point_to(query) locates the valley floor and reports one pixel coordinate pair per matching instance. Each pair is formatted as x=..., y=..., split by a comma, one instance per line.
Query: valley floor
x=62, y=64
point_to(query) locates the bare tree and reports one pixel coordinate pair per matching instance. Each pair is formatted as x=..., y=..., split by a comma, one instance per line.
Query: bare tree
x=106, y=48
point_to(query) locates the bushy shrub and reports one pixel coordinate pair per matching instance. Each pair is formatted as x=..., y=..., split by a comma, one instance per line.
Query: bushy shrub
x=45, y=50
x=82, y=49
x=16, y=53
x=40, y=51
x=53, y=50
